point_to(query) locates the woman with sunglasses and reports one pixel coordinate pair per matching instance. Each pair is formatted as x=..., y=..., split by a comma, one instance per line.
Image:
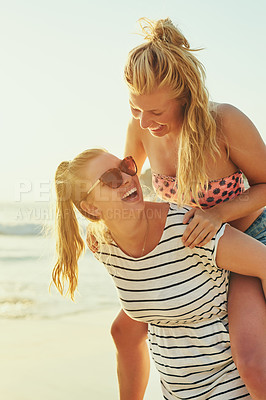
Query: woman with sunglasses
x=180, y=292
x=198, y=152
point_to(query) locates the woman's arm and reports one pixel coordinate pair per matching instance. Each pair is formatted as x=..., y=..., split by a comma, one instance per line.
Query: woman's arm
x=240, y=253
x=134, y=145
x=248, y=152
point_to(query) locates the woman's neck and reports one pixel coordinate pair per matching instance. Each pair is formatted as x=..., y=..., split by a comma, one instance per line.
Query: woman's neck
x=138, y=234
x=130, y=232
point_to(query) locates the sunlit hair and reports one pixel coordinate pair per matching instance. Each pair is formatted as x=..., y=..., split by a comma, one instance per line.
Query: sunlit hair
x=165, y=59
x=71, y=186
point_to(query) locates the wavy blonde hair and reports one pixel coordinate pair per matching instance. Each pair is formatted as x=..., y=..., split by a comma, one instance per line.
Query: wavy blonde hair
x=165, y=59
x=71, y=187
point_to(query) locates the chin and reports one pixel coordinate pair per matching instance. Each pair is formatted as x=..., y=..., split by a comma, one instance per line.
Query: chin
x=137, y=204
x=159, y=133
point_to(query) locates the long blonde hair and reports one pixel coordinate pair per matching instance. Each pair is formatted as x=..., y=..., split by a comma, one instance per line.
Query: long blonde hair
x=166, y=60
x=71, y=187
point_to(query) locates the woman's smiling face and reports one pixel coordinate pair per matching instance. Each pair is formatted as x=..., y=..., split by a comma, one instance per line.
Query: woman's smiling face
x=158, y=112
x=113, y=203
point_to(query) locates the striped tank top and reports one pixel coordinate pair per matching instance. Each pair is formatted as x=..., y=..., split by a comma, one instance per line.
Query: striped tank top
x=182, y=295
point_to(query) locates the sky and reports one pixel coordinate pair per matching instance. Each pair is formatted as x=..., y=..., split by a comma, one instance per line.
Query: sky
x=61, y=75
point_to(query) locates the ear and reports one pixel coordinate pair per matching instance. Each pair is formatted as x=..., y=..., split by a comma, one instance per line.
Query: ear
x=90, y=209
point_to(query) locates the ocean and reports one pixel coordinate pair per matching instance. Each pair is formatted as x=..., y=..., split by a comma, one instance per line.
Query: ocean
x=27, y=257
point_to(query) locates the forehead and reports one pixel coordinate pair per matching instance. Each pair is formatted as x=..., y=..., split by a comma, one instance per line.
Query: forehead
x=100, y=164
x=159, y=98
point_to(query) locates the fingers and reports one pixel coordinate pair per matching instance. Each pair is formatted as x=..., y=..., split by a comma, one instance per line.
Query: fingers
x=198, y=233
x=189, y=214
x=189, y=229
x=206, y=240
x=94, y=247
x=199, y=237
x=202, y=226
x=92, y=243
x=194, y=221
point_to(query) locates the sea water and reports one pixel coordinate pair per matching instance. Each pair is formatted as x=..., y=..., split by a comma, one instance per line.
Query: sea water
x=27, y=257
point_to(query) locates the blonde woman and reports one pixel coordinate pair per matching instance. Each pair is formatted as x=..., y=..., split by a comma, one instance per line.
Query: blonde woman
x=181, y=293
x=198, y=151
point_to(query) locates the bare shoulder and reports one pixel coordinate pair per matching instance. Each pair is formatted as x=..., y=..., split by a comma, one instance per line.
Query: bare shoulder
x=234, y=122
x=227, y=109
x=246, y=147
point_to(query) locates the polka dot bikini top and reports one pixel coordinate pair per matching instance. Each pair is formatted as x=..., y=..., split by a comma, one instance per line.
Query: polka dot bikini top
x=219, y=190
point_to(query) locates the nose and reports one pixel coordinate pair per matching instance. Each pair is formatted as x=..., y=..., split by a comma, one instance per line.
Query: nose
x=144, y=120
x=126, y=178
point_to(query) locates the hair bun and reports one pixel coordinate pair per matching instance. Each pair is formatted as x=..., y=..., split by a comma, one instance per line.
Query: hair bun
x=164, y=31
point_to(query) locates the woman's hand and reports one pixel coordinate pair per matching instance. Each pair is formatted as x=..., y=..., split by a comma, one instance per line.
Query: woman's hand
x=203, y=226
x=91, y=242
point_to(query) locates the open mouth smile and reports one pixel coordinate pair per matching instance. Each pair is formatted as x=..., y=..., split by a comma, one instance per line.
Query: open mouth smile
x=130, y=194
x=157, y=128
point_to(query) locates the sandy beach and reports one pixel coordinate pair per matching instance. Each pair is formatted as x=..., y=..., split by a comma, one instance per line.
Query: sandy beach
x=50, y=347
x=64, y=359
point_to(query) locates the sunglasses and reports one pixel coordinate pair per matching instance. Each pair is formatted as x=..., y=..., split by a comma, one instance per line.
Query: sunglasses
x=113, y=177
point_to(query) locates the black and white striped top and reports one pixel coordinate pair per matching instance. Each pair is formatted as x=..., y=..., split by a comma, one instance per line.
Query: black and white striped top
x=182, y=294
